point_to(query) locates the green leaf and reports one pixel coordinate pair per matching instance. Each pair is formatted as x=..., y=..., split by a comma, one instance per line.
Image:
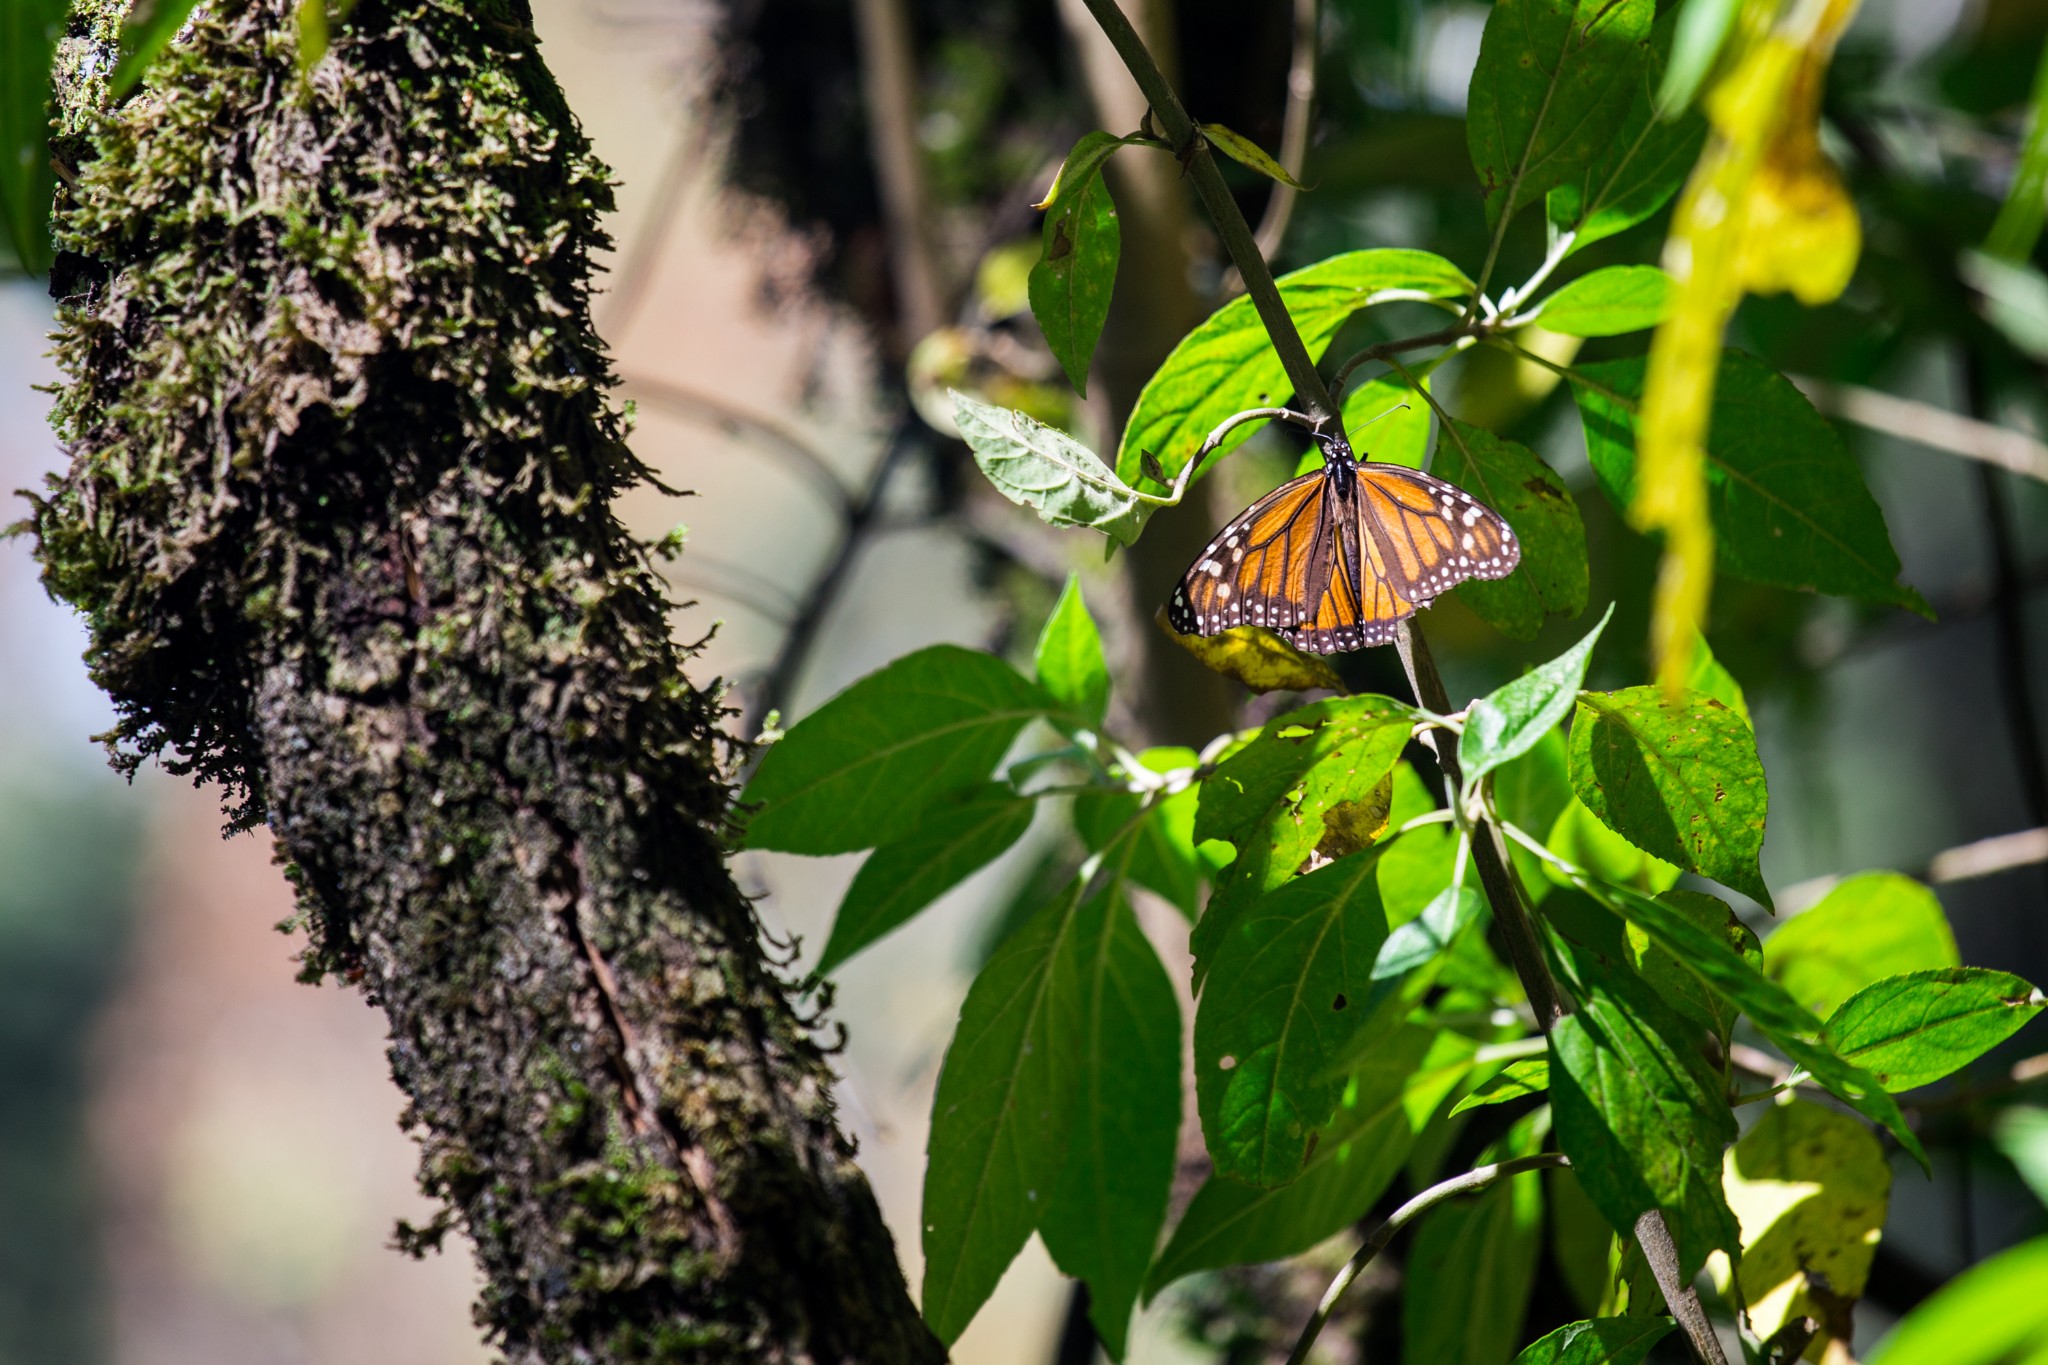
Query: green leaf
x=1517, y=1081
x=1679, y=779
x=1554, y=80
x=1912, y=1030
x=1639, y=167
x=29, y=30
x=1809, y=1186
x=1227, y=364
x=1388, y=425
x=1676, y=984
x=1991, y=1314
x=1273, y=800
x=2021, y=1134
x=1705, y=674
x=1641, y=1115
x=902, y=877
x=2013, y=296
x=1163, y=857
x=1083, y=164
x=1399, y=1084
x=1507, y=723
x=1281, y=1005
x=1608, y=302
x=1871, y=926
x=1510, y=479
x=863, y=768
x=1076, y=271
x=1784, y=1021
x=1069, y=660
x=1248, y=153
x=1105, y=1213
x=146, y=32
x=1531, y=792
x=1598, y=1341
x=1703, y=26
x=1416, y=867
x=1473, y=1265
x=1003, y=1113
x=1048, y=471
x=1788, y=501
x=1578, y=837
x=2018, y=227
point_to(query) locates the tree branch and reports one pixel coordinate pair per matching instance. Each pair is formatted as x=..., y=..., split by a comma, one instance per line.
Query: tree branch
x=1927, y=425
x=1294, y=129
x=890, y=86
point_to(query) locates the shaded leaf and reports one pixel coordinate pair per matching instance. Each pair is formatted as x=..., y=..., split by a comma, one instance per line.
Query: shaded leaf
x=1517, y=1081
x=1070, y=287
x=2021, y=1134
x=1003, y=1112
x=1037, y=466
x=29, y=30
x=1258, y=658
x=1674, y=983
x=1227, y=364
x=1103, y=1219
x=1912, y=1030
x=1677, y=777
x=1552, y=577
x=1871, y=926
x=1418, y=866
x=955, y=839
x=1600, y=1341
x=1506, y=723
x=1609, y=302
x=1473, y=1265
x=1162, y=857
x=147, y=31
x=1553, y=80
x=1788, y=502
x=1279, y=1008
x=1399, y=1083
x=1069, y=660
x=1246, y=152
x=863, y=768
x=1810, y=1186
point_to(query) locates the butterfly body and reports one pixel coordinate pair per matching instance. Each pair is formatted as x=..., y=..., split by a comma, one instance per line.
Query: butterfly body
x=1336, y=559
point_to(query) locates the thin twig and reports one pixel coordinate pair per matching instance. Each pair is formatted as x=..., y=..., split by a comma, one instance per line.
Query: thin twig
x=1472, y=1182
x=1294, y=129
x=1927, y=425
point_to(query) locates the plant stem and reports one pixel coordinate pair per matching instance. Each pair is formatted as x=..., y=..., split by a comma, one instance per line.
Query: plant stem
x=1376, y=1241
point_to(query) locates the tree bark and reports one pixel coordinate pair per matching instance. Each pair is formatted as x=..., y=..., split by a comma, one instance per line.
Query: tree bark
x=339, y=513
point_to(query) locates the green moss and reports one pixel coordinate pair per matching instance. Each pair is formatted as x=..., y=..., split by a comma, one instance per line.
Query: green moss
x=338, y=513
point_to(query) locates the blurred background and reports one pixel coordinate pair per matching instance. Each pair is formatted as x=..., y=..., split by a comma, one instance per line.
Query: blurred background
x=824, y=220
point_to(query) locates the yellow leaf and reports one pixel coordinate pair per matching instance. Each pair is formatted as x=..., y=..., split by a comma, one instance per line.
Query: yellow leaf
x=1809, y=1187
x=1763, y=212
x=1257, y=658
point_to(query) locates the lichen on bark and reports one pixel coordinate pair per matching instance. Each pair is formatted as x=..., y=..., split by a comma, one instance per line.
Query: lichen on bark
x=339, y=514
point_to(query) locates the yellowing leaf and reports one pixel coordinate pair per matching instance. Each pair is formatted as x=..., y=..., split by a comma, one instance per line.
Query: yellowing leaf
x=1763, y=213
x=1257, y=658
x=1809, y=1187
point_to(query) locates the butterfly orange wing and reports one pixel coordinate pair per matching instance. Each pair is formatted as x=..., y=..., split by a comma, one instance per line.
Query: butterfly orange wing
x=1265, y=568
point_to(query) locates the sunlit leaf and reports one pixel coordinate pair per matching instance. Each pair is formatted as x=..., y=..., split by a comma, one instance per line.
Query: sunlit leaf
x=1787, y=500
x=1280, y=1005
x=1506, y=723
x=1810, y=1187
x=1871, y=926
x=1163, y=857
x=1258, y=658
x=1989, y=1315
x=1228, y=364
x=2018, y=226
x=1703, y=29
x=1399, y=1083
x=2021, y=1132
x=1704, y=673
x=956, y=838
x=1913, y=1030
x=1045, y=469
x=1601, y=1341
x=1677, y=777
x=1070, y=286
x=1387, y=425
x=1245, y=152
x=1553, y=81
x=1105, y=1212
x=1069, y=660
x=1609, y=302
x=1579, y=837
x=1510, y=479
x=863, y=768
x=1517, y=1081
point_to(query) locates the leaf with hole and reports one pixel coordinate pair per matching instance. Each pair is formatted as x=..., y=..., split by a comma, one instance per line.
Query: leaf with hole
x=863, y=768
x=1912, y=1030
x=955, y=839
x=1554, y=80
x=1677, y=777
x=1227, y=364
x=1509, y=478
x=1279, y=1008
x=1787, y=500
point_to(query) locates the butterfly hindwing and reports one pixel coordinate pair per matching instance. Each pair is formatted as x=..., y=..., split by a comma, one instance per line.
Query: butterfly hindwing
x=1336, y=559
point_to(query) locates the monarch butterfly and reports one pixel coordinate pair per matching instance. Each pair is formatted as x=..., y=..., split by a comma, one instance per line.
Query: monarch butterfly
x=1337, y=558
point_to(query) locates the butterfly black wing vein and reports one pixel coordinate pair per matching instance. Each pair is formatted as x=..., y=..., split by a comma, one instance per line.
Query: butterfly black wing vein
x=1336, y=559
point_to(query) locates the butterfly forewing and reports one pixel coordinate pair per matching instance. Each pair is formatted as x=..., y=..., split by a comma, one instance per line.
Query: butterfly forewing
x=1337, y=559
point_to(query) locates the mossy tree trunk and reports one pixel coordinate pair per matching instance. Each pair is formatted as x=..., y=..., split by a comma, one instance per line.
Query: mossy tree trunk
x=339, y=514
